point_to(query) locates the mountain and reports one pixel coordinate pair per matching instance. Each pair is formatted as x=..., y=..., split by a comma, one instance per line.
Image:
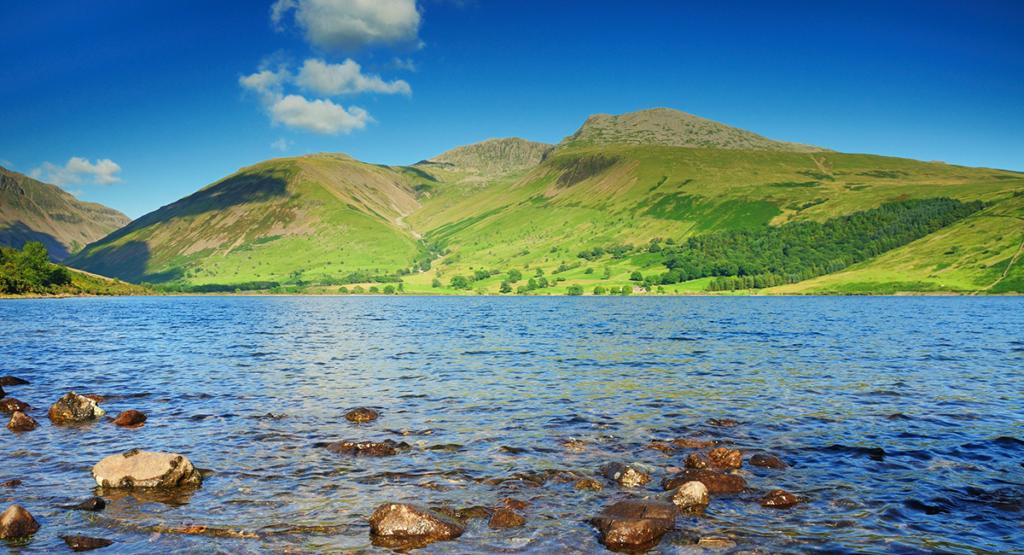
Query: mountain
x=667, y=127
x=588, y=211
x=35, y=211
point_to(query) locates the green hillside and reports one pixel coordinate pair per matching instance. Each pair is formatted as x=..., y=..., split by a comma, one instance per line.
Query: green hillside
x=602, y=205
x=35, y=211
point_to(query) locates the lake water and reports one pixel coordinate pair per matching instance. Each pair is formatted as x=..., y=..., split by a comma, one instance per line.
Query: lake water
x=902, y=418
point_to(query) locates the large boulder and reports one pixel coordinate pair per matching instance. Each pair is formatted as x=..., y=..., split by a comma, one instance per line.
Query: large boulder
x=688, y=497
x=143, y=469
x=16, y=522
x=625, y=475
x=635, y=524
x=74, y=408
x=21, y=422
x=10, y=404
x=716, y=482
x=402, y=525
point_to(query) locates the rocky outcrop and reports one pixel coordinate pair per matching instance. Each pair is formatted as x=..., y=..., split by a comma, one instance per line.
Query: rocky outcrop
x=625, y=475
x=779, y=499
x=16, y=522
x=130, y=419
x=142, y=469
x=74, y=408
x=398, y=524
x=21, y=422
x=505, y=518
x=362, y=415
x=688, y=497
x=716, y=482
x=11, y=404
x=385, y=448
x=768, y=461
x=635, y=524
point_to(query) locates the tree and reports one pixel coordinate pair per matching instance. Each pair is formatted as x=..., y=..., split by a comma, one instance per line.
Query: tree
x=540, y=272
x=575, y=290
x=588, y=271
x=358, y=290
x=542, y=283
x=522, y=290
x=460, y=282
x=506, y=287
x=514, y=276
x=389, y=289
x=599, y=290
x=373, y=289
x=607, y=273
x=636, y=276
x=532, y=284
x=435, y=283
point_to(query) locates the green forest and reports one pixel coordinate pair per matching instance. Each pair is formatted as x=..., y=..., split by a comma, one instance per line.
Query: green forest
x=30, y=271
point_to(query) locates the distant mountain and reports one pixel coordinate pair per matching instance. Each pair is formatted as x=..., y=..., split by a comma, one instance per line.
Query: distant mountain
x=493, y=157
x=666, y=127
x=35, y=211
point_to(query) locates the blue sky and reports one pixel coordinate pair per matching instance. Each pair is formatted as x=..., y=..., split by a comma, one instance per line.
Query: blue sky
x=136, y=104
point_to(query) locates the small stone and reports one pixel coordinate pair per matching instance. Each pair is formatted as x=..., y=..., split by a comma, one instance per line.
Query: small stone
x=400, y=525
x=691, y=495
x=79, y=544
x=504, y=518
x=10, y=404
x=11, y=380
x=779, y=499
x=11, y=484
x=716, y=482
x=625, y=475
x=768, y=461
x=386, y=448
x=635, y=524
x=142, y=469
x=362, y=415
x=130, y=419
x=94, y=504
x=589, y=484
x=16, y=522
x=21, y=422
x=74, y=408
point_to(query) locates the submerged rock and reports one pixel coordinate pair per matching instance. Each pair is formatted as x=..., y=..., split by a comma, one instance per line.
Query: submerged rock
x=130, y=419
x=10, y=404
x=625, y=475
x=723, y=423
x=94, y=504
x=689, y=496
x=386, y=448
x=21, y=422
x=716, y=482
x=16, y=522
x=779, y=499
x=693, y=442
x=768, y=461
x=636, y=524
x=589, y=484
x=505, y=518
x=79, y=544
x=474, y=512
x=11, y=380
x=74, y=408
x=143, y=469
x=362, y=415
x=721, y=458
x=11, y=484
x=401, y=525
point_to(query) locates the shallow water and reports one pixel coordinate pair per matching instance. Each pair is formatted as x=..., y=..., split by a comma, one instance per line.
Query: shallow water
x=902, y=418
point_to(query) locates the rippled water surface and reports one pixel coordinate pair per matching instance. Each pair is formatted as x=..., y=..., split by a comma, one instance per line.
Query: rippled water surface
x=902, y=418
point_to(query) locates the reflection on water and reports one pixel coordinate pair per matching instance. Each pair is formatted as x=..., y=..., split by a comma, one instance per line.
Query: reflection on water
x=901, y=418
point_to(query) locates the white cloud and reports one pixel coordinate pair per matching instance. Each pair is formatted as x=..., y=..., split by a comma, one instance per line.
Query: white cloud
x=406, y=65
x=345, y=78
x=266, y=82
x=319, y=116
x=281, y=144
x=102, y=172
x=350, y=24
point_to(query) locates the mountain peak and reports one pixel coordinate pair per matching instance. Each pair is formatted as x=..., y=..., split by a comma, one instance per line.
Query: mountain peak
x=494, y=156
x=667, y=127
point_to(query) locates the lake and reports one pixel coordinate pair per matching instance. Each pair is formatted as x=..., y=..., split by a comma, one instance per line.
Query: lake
x=902, y=419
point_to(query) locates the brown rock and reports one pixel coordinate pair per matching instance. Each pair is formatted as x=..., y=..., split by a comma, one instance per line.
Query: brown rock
x=662, y=446
x=386, y=448
x=94, y=504
x=697, y=460
x=723, y=423
x=130, y=419
x=11, y=404
x=21, y=422
x=143, y=469
x=11, y=380
x=514, y=504
x=724, y=458
x=589, y=484
x=11, y=484
x=625, y=475
x=474, y=512
x=74, y=408
x=400, y=525
x=693, y=443
x=504, y=518
x=688, y=496
x=768, y=461
x=779, y=499
x=362, y=415
x=16, y=522
x=635, y=524
x=716, y=482
x=98, y=398
x=79, y=544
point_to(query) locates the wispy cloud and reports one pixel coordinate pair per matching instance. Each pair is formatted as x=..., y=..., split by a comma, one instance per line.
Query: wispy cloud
x=281, y=144
x=399, y=64
x=351, y=24
x=345, y=78
x=102, y=172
